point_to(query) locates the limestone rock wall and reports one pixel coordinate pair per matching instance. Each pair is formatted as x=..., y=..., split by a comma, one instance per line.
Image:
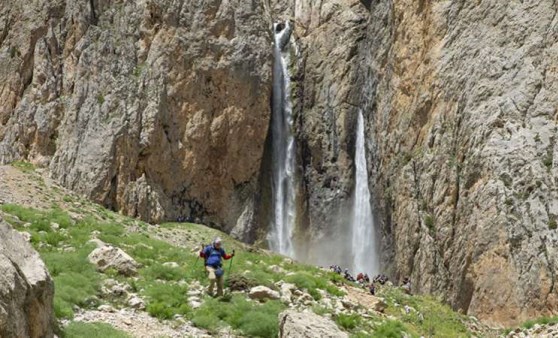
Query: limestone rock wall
x=462, y=97
x=158, y=108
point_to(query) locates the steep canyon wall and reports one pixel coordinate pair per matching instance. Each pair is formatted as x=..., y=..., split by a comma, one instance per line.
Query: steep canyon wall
x=162, y=108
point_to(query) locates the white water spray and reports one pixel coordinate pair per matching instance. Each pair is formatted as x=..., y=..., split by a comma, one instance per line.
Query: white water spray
x=283, y=148
x=363, y=246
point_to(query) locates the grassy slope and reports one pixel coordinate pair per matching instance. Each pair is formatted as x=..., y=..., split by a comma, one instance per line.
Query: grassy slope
x=78, y=284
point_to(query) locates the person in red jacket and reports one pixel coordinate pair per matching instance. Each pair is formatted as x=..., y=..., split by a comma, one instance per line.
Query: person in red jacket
x=212, y=255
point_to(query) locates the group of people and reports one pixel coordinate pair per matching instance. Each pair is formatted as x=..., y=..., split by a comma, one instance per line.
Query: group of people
x=364, y=280
x=214, y=253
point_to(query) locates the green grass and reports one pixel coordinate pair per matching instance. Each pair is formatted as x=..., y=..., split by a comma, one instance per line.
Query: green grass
x=250, y=318
x=438, y=319
x=92, y=330
x=390, y=329
x=76, y=281
x=24, y=166
x=348, y=322
x=541, y=321
x=552, y=224
x=166, y=300
x=311, y=282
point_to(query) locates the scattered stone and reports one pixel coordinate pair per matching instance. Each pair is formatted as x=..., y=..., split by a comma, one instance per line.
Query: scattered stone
x=286, y=292
x=97, y=242
x=112, y=257
x=262, y=292
x=54, y=226
x=294, y=324
x=136, y=302
x=171, y=264
x=106, y=308
x=26, y=235
x=276, y=269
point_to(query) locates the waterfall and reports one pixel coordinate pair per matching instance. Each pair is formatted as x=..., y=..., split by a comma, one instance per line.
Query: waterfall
x=283, y=147
x=363, y=245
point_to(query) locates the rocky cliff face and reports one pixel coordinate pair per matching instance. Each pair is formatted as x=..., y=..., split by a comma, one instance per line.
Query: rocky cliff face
x=156, y=108
x=26, y=289
x=161, y=108
x=463, y=109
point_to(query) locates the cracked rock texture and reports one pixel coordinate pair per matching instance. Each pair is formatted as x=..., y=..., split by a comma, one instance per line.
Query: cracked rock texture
x=26, y=289
x=462, y=113
x=161, y=108
x=156, y=108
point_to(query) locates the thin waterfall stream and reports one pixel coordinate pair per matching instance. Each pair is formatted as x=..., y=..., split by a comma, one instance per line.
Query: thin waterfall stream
x=283, y=147
x=363, y=244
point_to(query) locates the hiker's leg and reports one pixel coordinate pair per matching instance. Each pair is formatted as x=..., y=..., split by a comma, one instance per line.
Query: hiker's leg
x=212, y=278
x=220, y=286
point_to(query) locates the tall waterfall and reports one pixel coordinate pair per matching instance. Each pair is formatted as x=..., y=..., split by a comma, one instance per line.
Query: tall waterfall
x=283, y=148
x=363, y=246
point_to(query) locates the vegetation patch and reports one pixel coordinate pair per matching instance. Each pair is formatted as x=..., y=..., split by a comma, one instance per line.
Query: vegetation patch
x=24, y=166
x=92, y=330
x=250, y=318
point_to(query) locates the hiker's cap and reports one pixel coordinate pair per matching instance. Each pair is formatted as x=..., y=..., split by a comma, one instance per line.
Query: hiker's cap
x=217, y=240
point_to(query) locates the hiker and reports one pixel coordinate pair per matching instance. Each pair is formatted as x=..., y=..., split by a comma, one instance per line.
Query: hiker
x=366, y=278
x=372, y=289
x=212, y=255
x=361, y=280
x=406, y=285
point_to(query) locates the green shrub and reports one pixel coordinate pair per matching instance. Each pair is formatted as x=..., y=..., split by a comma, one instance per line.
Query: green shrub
x=348, y=322
x=92, y=330
x=76, y=281
x=552, y=224
x=251, y=318
x=166, y=300
x=313, y=282
x=542, y=321
x=26, y=167
x=389, y=329
x=429, y=222
x=159, y=271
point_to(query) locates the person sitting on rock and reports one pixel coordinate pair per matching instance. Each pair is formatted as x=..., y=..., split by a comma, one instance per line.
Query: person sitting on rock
x=213, y=254
x=366, y=278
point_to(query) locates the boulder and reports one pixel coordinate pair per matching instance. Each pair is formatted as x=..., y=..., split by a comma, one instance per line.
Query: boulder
x=136, y=302
x=26, y=289
x=293, y=324
x=112, y=257
x=286, y=292
x=262, y=292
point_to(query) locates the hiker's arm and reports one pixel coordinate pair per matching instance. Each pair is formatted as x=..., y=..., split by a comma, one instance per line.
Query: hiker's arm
x=202, y=252
x=225, y=256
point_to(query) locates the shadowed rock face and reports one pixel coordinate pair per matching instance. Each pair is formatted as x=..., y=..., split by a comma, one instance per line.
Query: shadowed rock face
x=26, y=289
x=161, y=108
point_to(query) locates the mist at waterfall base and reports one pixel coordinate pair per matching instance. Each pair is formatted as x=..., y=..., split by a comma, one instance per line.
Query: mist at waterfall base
x=350, y=241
